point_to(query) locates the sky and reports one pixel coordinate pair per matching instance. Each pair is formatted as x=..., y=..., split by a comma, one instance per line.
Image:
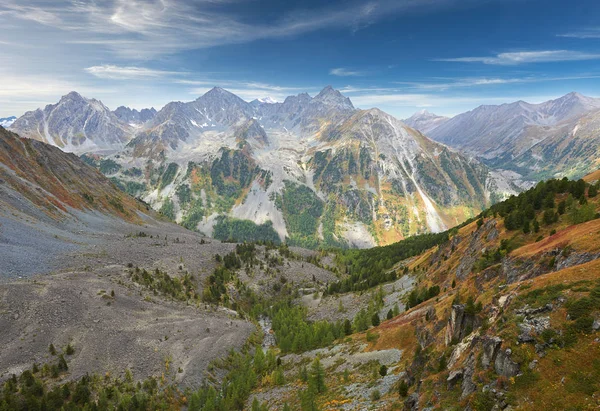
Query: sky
x=402, y=56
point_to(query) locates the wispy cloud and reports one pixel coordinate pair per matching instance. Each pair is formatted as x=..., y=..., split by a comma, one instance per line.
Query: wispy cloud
x=143, y=29
x=588, y=33
x=526, y=57
x=113, y=72
x=344, y=72
x=443, y=84
x=30, y=12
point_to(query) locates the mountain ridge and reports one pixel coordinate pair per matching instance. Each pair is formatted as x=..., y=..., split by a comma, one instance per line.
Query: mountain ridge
x=284, y=149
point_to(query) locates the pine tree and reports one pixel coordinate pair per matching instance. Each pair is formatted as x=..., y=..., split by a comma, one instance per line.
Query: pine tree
x=307, y=400
x=317, y=376
x=304, y=374
x=278, y=377
x=347, y=327
x=403, y=388
x=259, y=361
x=526, y=227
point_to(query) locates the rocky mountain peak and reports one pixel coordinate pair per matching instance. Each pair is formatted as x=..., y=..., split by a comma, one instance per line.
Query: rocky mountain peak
x=331, y=96
x=218, y=96
x=75, y=97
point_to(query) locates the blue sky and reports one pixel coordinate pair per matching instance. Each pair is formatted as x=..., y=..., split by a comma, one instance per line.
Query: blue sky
x=446, y=56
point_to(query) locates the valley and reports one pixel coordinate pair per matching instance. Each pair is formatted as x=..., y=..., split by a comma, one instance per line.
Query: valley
x=350, y=205
x=139, y=312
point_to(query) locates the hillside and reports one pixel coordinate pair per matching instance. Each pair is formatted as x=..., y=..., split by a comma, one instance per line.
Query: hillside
x=487, y=315
x=569, y=149
x=498, y=315
x=92, y=282
x=53, y=202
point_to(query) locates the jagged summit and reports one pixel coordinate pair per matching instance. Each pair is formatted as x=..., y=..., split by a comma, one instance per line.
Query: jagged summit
x=133, y=116
x=331, y=96
x=216, y=91
x=73, y=95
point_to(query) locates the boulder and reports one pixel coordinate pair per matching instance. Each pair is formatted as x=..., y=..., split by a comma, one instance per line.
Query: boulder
x=504, y=365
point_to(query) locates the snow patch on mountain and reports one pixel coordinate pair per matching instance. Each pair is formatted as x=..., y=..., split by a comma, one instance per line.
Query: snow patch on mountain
x=7, y=121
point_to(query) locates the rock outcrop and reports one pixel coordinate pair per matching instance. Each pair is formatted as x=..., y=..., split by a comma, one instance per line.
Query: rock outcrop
x=504, y=365
x=460, y=324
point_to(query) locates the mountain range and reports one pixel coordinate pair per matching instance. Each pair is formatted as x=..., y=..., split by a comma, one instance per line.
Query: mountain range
x=312, y=170
x=7, y=121
x=493, y=313
x=552, y=139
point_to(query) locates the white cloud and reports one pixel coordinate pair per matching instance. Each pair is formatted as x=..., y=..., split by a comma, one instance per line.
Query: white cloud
x=466, y=82
x=343, y=72
x=20, y=93
x=142, y=29
x=589, y=33
x=524, y=57
x=31, y=13
x=113, y=72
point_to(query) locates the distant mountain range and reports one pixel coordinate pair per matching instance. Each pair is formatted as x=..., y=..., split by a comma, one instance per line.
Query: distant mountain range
x=424, y=121
x=313, y=170
x=551, y=139
x=77, y=124
x=7, y=121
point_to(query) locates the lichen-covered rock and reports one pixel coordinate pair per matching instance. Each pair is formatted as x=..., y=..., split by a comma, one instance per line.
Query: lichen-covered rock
x=531, y=327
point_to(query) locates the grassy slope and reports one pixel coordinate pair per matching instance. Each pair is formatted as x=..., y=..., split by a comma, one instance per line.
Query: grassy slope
x=565, y=378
